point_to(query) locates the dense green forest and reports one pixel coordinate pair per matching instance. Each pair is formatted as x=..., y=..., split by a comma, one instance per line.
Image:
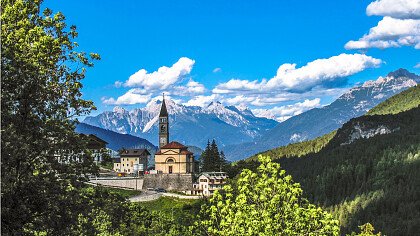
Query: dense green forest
x=403, y=101
x=297, y=149
x=369, y=180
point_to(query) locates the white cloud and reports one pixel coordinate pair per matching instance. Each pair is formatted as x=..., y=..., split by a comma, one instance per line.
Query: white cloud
x=201, y=100
x=238, y=85
x=417, y=65
x=399, y=27
x=191, y=88
x=217, y=69
x=399, y=9
x=163, y=77
x=388, y=33
x=321, y=70
x=315, y=73
x=283, y=113
x=129, y=98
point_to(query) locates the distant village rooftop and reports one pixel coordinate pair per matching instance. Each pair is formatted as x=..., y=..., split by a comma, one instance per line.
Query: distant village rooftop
x=134, y=152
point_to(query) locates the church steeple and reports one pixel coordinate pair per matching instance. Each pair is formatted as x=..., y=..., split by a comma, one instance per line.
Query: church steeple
x=163, y=111
x=163, y=124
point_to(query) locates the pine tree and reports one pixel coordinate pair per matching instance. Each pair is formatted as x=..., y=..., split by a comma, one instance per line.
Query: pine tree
x=205, y=164
x=214, y=156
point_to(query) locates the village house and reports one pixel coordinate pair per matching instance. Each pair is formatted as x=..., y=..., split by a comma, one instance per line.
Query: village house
x=208, y=182
x=132, y=161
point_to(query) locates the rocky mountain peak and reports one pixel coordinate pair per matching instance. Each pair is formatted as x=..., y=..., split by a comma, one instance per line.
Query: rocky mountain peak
x=403, y=73
x=119, y=110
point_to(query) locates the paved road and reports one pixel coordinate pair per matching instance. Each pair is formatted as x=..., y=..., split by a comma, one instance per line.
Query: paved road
x=146, y=196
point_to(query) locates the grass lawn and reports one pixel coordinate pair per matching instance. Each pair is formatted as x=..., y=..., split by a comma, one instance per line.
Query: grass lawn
x=183, y=211
x=127, y=193
x=170, y=203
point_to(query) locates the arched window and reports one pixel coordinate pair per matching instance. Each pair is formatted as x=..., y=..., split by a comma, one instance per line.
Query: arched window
x=170, y=160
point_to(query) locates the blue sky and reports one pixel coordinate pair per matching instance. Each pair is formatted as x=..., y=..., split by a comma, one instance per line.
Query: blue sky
x=248, y=41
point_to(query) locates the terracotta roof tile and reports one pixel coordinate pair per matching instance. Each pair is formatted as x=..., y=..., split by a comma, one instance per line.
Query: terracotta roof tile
x=173, y=145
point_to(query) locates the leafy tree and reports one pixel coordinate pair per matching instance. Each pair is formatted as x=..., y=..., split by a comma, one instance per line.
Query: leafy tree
x=43, y=160
x=265, y=202
x=366, y=230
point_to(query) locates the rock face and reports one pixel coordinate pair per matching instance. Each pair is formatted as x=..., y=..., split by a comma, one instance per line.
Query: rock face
x=359, y=131
x=320, y=121
x=188, y=124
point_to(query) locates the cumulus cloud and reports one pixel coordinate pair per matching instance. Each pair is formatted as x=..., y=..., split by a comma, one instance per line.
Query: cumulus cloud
x=388, y=33
x=283, y=113
x=191, y=88
x=399, y=9
x=316, y=73
x=217, y=69
x=129, y=98
x=163, y=77
x=400, y=25
x=238, y=85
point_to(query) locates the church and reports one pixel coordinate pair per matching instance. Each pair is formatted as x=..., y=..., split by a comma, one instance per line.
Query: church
x=172, y=157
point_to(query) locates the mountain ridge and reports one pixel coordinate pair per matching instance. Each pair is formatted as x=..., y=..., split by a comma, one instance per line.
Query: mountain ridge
x=319, y=121
x=190, y=125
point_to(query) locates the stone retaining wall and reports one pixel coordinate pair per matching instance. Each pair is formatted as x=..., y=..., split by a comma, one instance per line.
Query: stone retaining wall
x=179, y=182
x=131, y=183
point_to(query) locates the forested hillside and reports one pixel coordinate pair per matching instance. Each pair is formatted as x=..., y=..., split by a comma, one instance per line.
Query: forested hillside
x=366, y=171
x=370, y=180
x=297, y=149
x=403, y=101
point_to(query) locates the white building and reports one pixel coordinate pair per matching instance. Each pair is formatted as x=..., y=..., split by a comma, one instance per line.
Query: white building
x=208, y=182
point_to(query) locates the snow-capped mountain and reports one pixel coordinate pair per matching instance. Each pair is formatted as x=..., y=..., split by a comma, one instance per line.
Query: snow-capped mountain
x=319, y=121
x=191, y=125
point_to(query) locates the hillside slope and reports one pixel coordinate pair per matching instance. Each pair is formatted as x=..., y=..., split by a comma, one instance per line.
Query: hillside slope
x=115, y=140
x=403, y=101
x=367, y=172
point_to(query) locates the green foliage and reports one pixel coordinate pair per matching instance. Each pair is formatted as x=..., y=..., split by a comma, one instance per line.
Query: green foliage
x=125, y=193
x=403, y=101
x=183, y=211
x=213, y=160
x=373, y=179
x=366, y=230
x=43, y=160
x=370, y=180
x=265, y=202
x=297, y=149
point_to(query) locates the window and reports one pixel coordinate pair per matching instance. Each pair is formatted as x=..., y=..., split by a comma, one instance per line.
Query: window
x=170, y=160
x=203, y=180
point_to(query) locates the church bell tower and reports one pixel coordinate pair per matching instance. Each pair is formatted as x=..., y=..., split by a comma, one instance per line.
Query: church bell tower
x=163, y=125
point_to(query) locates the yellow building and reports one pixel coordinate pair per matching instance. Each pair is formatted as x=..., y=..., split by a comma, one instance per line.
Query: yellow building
x=132, y=161
x=172, y=157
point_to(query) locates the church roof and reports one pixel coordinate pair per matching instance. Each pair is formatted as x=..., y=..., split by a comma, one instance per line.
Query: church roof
x=173, y=145
x=163, y=111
